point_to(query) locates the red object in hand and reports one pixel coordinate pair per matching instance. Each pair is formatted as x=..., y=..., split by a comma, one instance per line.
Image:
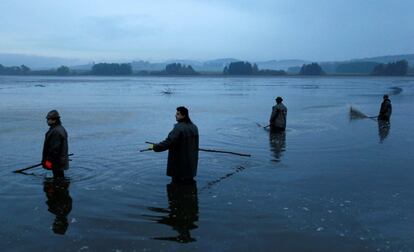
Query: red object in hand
x=48, y=165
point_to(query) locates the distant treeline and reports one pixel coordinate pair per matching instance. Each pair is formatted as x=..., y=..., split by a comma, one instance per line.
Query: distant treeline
x=311, y=69
x=111, y=69
x=14, y=70
x=25, y=70
x=246, y=68
x=398, y=68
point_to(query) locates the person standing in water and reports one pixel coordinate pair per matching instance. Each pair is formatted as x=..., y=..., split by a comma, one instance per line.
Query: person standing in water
x=55, y=148
x=277, y=121
x=182, y=145
x=385, y=110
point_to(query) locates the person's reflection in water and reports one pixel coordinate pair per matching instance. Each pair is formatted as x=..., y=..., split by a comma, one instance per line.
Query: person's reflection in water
x=383, y=130
x=59, y=202
x=277, y=140
x=182, y=212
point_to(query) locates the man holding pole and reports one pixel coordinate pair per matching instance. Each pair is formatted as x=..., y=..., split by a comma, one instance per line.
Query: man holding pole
x=182, y=146
x=55, y=148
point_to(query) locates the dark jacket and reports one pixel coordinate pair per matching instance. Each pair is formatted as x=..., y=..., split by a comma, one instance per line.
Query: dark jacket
x=55, y=148
x=385, y=110
x=182, y=146
x=278, y=116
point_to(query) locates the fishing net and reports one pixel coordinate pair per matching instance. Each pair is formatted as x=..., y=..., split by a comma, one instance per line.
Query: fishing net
x=355, y=114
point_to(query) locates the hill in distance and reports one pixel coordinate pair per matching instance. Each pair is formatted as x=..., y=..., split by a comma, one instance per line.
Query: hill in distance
x=36, y=62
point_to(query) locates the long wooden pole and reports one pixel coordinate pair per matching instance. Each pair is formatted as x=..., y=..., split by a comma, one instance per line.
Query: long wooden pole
x=227, y=152
x=209, y=150
x=27, y=168
x=33, y=166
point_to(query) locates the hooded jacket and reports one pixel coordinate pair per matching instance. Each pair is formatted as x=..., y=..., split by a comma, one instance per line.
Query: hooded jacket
x=182, y=146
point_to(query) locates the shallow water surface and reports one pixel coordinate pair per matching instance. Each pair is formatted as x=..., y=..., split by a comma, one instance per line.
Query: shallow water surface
x=328, y=183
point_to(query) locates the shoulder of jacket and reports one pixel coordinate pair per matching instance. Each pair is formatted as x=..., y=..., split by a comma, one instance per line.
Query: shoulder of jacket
x=194, y=127
x=59, y=129
x=178, y=126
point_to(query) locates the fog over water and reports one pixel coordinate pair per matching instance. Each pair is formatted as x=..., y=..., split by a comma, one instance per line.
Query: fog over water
x=328, y=184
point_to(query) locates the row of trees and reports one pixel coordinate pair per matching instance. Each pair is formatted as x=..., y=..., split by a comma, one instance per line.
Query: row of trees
x=246, y=68
x=178, y=69
x=25, y=70
x=111, y=69
x=14, y=70
x=126, y=69
x=104, y=69
x=397, y=68
x=311, y=69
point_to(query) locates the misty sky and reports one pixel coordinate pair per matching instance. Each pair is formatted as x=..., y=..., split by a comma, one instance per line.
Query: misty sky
x=201, y=30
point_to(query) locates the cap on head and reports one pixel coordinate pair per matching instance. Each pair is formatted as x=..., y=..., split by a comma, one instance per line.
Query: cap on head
x=385, y=97
x=53, y=114
x=279, y=99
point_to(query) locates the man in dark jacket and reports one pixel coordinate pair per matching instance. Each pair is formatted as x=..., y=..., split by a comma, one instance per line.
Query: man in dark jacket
x=385, y=110
x=182, y=146
x=55, y=147
x=277, y=119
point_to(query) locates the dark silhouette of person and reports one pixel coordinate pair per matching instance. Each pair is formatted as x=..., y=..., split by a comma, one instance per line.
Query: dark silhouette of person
x=277, y=140
x=385, y=109
x=182, y=212
x=59, y=202
x=55, y=148
x=277, y=119
x=383, y=130
x=182, y=145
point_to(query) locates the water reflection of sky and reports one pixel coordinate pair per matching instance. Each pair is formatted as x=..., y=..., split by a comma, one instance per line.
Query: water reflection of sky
x=328, y=182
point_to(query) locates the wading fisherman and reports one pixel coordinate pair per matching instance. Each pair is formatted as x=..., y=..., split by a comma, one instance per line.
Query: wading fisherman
x=385, y=110
x=55, y=147
x=277, y=119
x=182, y=146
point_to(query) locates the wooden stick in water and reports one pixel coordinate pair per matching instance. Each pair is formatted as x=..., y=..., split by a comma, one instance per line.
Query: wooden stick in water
x=33, y=166
x=227, y=152
x=216, y=151
x=27, y=168
x=258, y=124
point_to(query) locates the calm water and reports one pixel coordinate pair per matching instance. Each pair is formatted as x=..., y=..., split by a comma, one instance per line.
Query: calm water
x=328, y=184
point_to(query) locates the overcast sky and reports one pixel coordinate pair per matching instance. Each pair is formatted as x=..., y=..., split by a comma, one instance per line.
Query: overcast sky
x=158, y=30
